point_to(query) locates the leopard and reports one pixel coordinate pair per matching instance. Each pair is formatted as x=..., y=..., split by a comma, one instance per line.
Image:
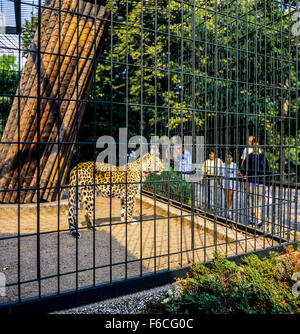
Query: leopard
x=90, y=179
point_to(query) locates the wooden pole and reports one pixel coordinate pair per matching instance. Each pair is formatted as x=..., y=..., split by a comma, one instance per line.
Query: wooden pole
x=72, y=73
x=29, y=111
x=69, y=121
x=24, y=88
x=24, y=84
x=48, y=106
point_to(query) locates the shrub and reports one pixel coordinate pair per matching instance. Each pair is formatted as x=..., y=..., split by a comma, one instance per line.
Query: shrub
x=169, y=184
x=255, y=286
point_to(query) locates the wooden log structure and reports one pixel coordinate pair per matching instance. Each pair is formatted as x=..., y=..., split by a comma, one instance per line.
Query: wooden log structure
x=35, y=149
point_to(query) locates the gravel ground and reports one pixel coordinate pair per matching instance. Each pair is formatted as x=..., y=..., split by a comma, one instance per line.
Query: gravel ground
x=135, y=303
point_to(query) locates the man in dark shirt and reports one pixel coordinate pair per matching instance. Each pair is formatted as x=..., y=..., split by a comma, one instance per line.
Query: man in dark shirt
x=257, y=172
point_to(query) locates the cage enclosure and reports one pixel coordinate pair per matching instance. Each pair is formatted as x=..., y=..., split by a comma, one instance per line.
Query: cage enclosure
x=209, y=88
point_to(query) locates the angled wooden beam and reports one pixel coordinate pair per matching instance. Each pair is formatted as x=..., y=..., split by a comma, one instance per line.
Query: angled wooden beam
x=68, y=40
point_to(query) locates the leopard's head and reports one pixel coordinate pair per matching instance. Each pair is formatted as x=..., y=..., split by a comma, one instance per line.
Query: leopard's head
x=150, y=163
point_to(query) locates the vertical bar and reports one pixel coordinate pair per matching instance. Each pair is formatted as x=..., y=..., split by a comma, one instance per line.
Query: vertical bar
x=94, y=144
x=289, y=200
x=19, y=170
x=265, y=206
x=227, y=114
x=256, y=187
x=39, y=148
x=273, y=84
x=193, y=133
x=169, y=152
x=127, y=103
x=141, y=133
x=77, y=144
x=17, y=6
x=237, y=89
x=111, y=120
x=181, y=117
x=155, y=124
x=296, y=196
x=244, y=184
x=215, y=187
x=205, y=131
x=58, y=150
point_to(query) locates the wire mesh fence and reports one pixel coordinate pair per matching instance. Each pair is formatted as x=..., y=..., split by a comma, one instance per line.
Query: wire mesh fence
x=155, y=132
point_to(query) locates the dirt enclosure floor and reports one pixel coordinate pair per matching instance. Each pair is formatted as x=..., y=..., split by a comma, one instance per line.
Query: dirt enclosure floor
x=115, y=251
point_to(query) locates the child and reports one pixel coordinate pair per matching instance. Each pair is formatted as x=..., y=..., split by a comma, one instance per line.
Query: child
x=184, y=163
x=228, y=172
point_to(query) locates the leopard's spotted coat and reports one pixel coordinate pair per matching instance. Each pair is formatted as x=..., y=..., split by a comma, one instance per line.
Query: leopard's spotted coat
x=115, y=183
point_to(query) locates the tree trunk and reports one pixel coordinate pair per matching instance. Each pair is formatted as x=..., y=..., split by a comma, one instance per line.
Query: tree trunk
x=68, y=46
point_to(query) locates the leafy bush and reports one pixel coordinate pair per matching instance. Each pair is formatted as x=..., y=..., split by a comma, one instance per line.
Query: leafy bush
x=255, y=286
x=169, y=184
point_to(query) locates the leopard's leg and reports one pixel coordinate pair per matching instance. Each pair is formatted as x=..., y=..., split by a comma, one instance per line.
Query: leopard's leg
x=128, y=203
x=73, y=205
x=126, y=209
x=123, y=210
x=88, y=200
x=130, y=208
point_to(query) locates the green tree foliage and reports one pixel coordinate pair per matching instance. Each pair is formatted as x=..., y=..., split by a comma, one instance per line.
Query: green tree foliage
x=166, y=64
x=28, y=34
x=9, y=78
x=235, y=63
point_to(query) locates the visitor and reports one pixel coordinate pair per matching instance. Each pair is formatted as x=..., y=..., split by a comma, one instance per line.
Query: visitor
x=185, y=164
x=210, y=171
x=257, y=173
x=228, y=174
x=248, y=149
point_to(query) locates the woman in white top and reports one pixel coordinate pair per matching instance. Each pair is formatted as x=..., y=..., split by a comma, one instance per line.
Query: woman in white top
x=228, y=172
x=211, y=165
x=211, y=190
